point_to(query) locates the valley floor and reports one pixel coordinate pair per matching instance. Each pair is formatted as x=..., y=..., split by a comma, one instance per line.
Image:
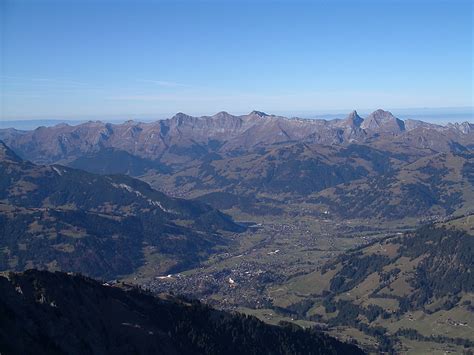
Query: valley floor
x=270, y=272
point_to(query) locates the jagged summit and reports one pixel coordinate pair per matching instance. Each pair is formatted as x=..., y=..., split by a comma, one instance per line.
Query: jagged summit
x=463, y=127
x=233, y=132
x=353, y=119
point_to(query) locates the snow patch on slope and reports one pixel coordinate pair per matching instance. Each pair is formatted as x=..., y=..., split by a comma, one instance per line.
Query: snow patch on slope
x=138, y=193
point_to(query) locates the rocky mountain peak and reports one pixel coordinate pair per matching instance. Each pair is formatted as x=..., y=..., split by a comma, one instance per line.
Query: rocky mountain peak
x=464, y=127
x=180, y=115
x=181, y=118
x=353, y=119
x=222, y=115
x=381, y=121
x=258, y=113
x=382, y=115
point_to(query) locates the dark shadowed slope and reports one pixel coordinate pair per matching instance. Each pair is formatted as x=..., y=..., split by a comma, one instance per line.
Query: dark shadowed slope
x=46, y=313
x=113, y=161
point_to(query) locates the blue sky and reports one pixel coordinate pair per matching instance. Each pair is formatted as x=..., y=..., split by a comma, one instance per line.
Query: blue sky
x=73, y=59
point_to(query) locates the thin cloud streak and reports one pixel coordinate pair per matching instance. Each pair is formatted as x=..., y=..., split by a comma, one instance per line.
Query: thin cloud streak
x=44, y=87
x=170, y=84
x=53, y=81
x=276, y=102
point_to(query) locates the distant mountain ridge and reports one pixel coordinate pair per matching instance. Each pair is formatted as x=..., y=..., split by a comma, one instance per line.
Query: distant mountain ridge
x=223, y=132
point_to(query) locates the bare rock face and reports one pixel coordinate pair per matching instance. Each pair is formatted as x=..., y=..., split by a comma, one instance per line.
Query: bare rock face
x=464, y=127
x=351, y=128
x=353, y=119
x=381, y=121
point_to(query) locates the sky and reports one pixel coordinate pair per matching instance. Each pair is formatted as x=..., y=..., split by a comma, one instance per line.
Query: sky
x=81, y=59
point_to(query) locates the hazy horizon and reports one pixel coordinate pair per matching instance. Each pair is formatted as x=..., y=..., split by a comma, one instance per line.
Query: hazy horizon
x=441, y=115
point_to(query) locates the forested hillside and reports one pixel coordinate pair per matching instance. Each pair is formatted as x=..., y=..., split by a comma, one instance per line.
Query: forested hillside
x=59, y=218
x=57, y=313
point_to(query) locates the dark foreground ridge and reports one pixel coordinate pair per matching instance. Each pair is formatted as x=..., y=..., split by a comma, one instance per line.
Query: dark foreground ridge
x=53, y=313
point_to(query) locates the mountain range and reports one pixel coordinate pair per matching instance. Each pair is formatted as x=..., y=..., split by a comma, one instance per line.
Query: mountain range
x=259, y=164
x=225, y=133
